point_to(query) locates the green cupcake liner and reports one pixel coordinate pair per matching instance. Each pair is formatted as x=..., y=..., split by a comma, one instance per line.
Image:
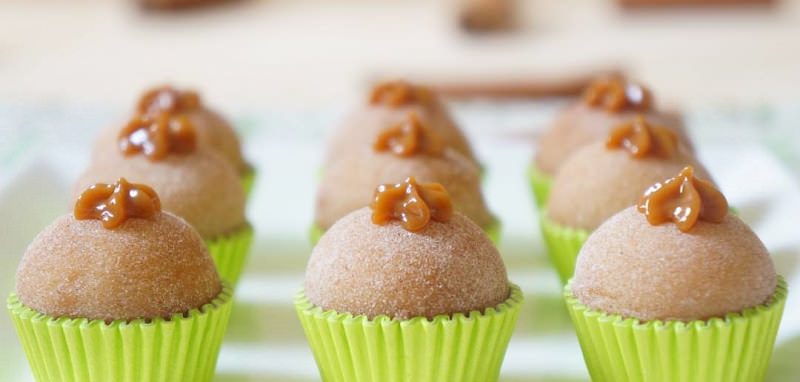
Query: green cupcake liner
x=230, y=253
x=735, y=348
x=563, y=245
x=493, y=231
x=248, y=179
x=183, y=348
x=540, y=184
x=458, y=348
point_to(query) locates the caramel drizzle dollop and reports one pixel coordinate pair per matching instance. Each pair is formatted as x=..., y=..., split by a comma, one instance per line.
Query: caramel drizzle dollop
x=113, y=204
x=161, y=125
x=158, y=136
x=167, y=99
x=642, y=139
x=414, y=204
x=615, y=95
x=399, y=93
x=683, y=200
x=408, y=138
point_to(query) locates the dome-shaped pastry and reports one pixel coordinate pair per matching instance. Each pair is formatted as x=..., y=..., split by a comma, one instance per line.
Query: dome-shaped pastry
x=388, y=104
x=347, y=184
x=411, y=256
x=602, y=108
x=212, y=131
x=197, y=184
x=709, y=263
x=604, y=178
x=117, y=258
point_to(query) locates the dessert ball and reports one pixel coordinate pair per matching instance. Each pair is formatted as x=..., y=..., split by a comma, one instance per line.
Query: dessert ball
x=117, y=258
x=199, y=186
x=658, y=272
x=348, y=183
x=364, y=268
x=389, y=104
x=592, y=118
x=211, y=129
x=597, y=181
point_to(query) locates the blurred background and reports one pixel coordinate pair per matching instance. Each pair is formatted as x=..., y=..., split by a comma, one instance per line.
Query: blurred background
x=285, y=71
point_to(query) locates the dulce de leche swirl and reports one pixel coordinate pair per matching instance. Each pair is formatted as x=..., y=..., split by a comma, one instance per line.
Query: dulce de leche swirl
x=114, y=203
x=167, y=99
x=683, y=200
x=414, y=204
x=642, y=139
x=156, y=136
x=409, y=137
x=615, y=95
x=400, y=93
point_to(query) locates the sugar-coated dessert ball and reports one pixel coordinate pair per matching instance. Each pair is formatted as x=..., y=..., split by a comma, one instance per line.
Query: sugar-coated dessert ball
x=597, y=182
x=363, y=268
x=199, y=186
x=657, y=272
x=389, y=104
x=348, y=183
x=212, y=130
x=144, y=268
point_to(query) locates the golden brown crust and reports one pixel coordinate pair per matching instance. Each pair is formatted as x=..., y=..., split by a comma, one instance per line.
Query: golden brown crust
x=348, y=183
x=595, y=183
x=200, y=187
x=145, y=268
x=635, y=269
x=366, y=269
x=579, y=125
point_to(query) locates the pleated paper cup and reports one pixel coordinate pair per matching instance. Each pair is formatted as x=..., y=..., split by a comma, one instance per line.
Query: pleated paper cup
x=540, y=185
x=731, y=349
x=493, y=231
x=230, y=252
x=460, y=348
x=248, y=179
x=563, y=245
x=183, y=348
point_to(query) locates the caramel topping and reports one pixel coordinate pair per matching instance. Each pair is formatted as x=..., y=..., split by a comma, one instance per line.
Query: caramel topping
x=415, y=204
x=399, y=93
x=115, y=203
x=683, y=199
x=157, y=136
x=615, y=94
x=167, y=99
x=642, y=139
x=408, y=138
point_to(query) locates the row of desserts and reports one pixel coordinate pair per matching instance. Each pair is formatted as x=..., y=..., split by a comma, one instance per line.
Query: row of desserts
x=697, y=300
x=136, y=284
x=416, y=285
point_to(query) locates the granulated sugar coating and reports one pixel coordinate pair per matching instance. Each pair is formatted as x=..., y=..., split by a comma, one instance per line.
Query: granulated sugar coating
x=213, y=132
x=349, y=183
x=145, y=268
x=596, y=182
x=200, y=187
x=580, y=125
x=366, y=269
x=635, y=269
x=361, y=127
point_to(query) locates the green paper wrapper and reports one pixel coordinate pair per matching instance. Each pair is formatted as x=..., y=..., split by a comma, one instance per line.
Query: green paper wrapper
x=183, y=348
x=230, y=253
x=563, y=245
x=248, y=178
x=462, y=348
x=540, y=184
x=735, y=348
x=493, y=231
